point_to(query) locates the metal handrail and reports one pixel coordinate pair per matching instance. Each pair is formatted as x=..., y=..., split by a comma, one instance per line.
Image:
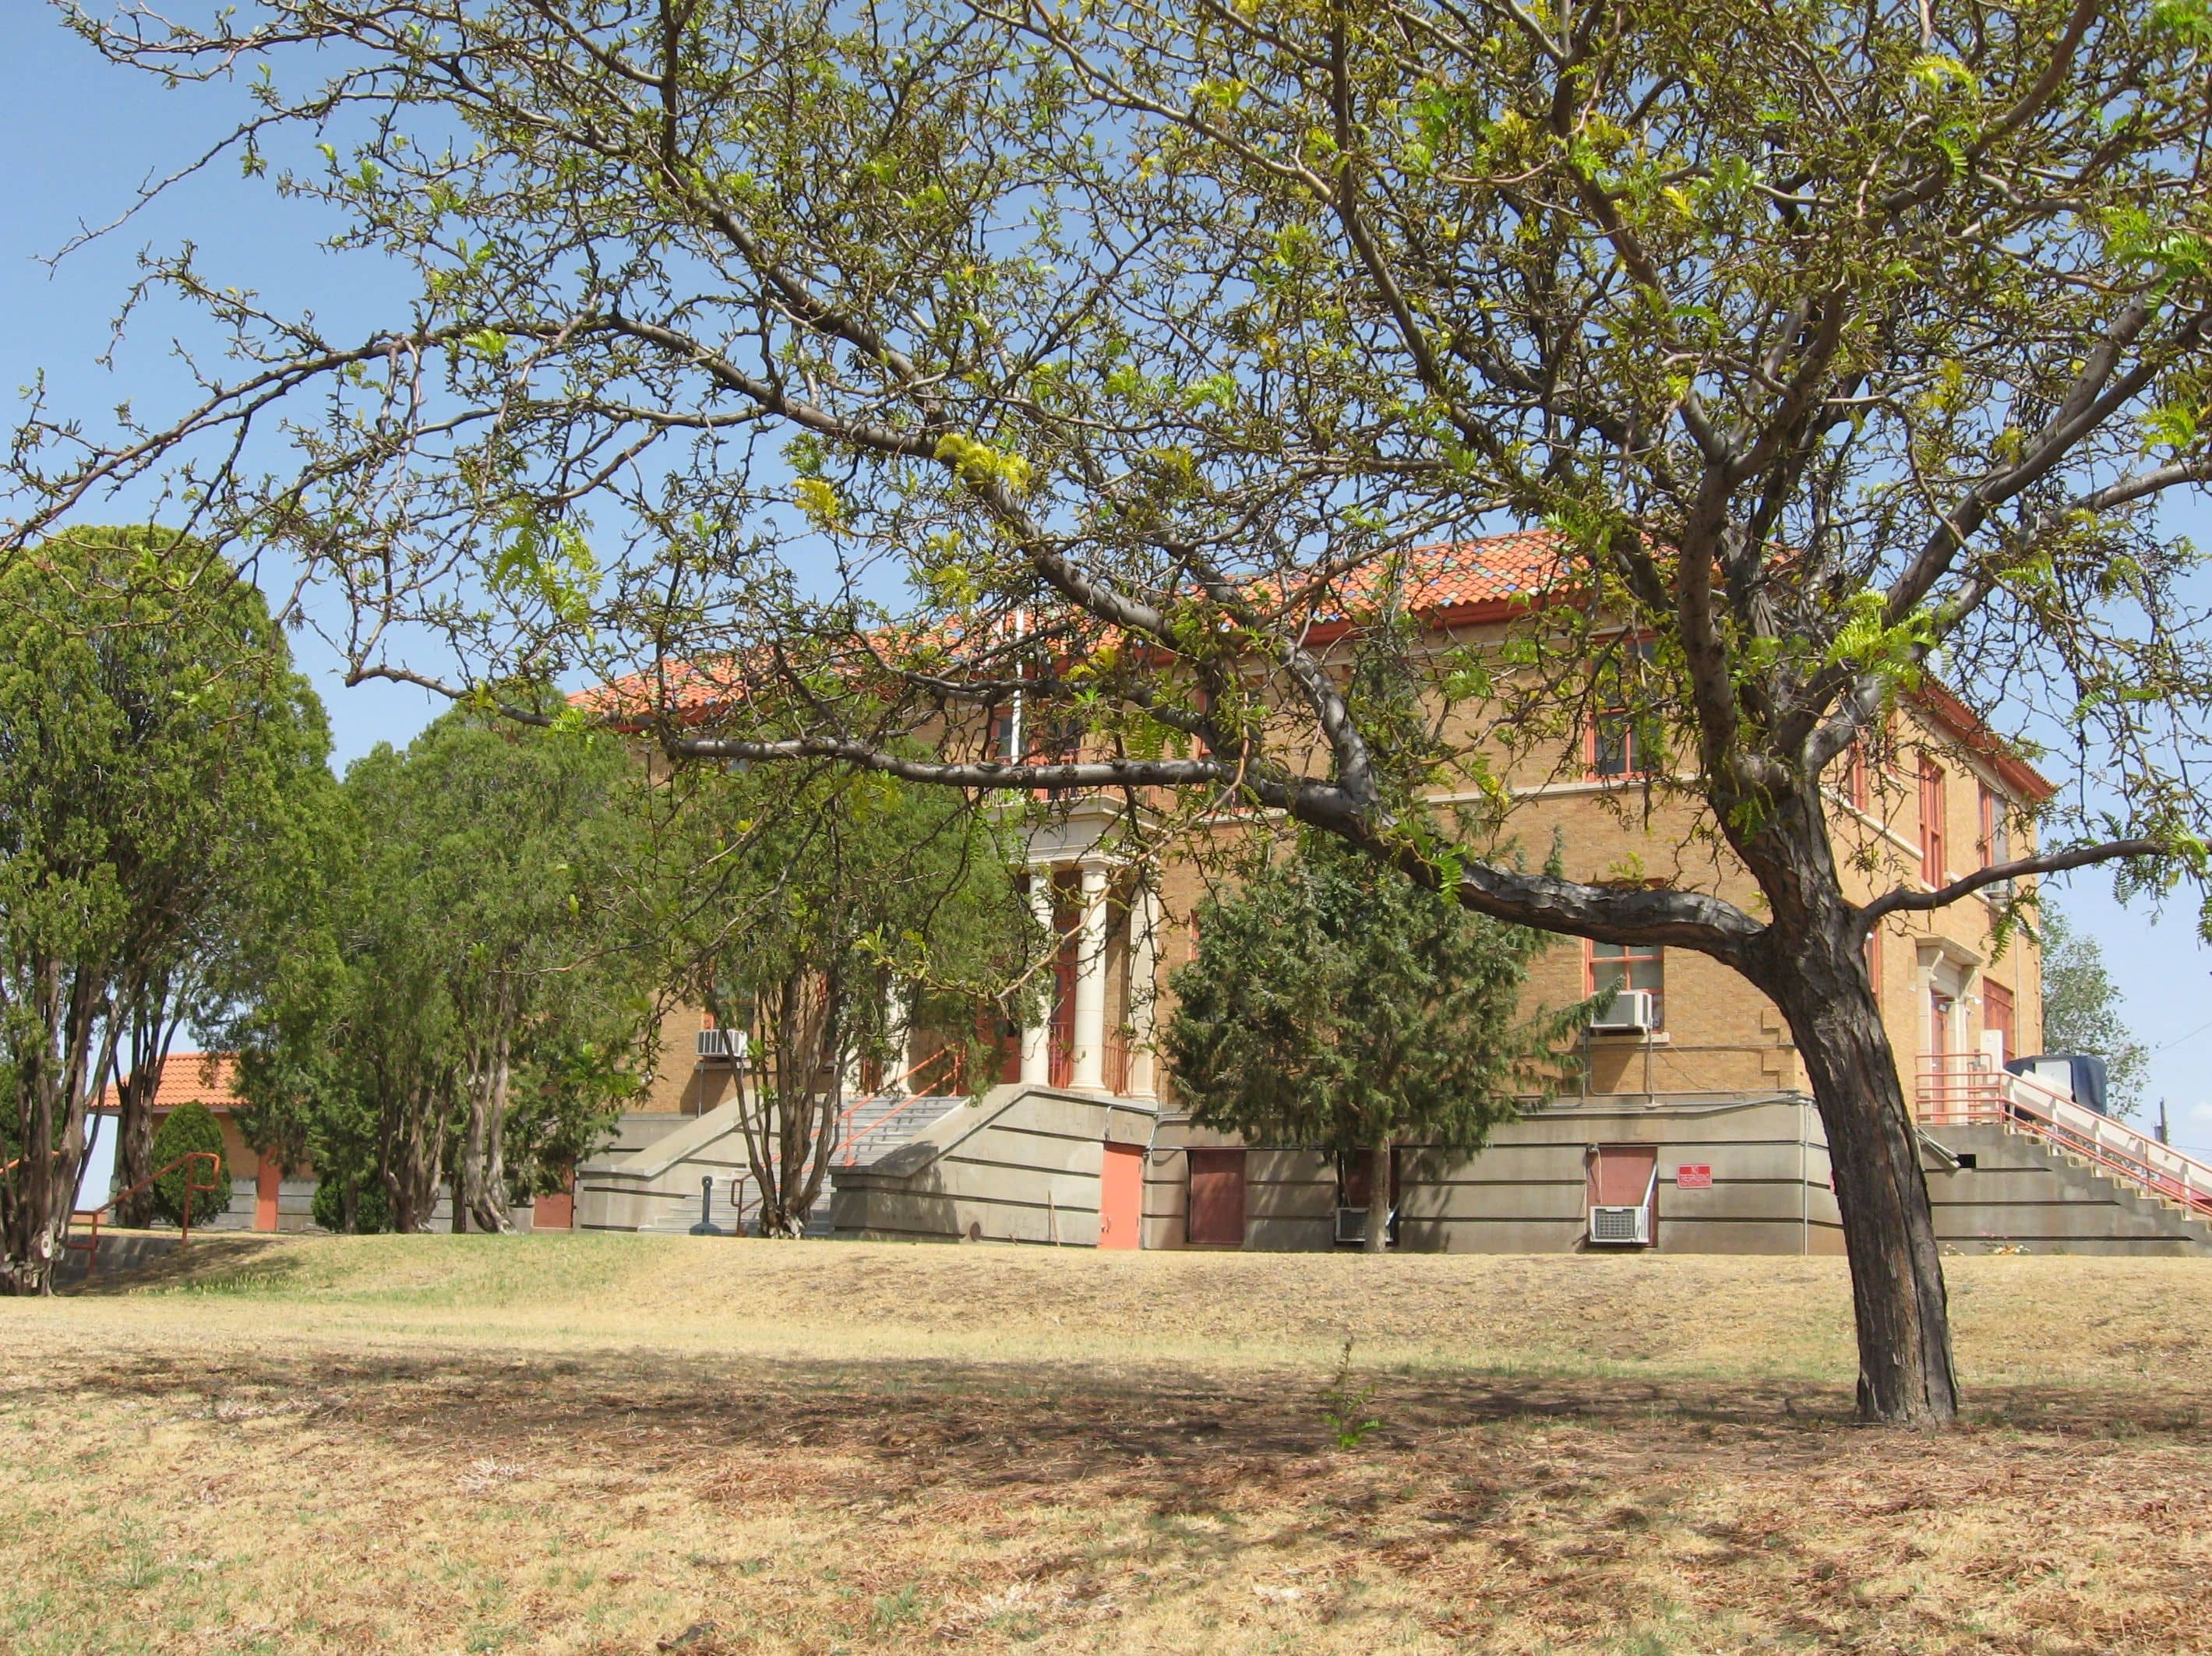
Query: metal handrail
x=850, y=1144
x=1965, y=1089
x=91, y=1246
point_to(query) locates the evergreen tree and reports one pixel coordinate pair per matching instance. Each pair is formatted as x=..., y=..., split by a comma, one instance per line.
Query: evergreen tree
x=456, y=1012
x=157, y=752
x=1334, y=1004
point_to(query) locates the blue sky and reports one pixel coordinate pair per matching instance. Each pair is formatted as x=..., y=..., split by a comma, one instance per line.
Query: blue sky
x=77, y=137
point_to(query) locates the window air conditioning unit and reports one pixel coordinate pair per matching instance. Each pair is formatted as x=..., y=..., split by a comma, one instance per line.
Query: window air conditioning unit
x=722, y=1044
x=1352, y=1227
x=1622, y=1227
x=1632, y=1012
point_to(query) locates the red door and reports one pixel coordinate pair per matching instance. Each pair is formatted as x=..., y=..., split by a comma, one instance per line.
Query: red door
x=556, y=1211
x=1121, y=1197
x=267, y=1181
x=1216, y=1214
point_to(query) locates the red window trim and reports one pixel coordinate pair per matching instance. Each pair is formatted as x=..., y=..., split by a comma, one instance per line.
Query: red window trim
x=1635, y=768
x=1935, y=807
x=1634, y=955
x=1994, y=809
x=1995, y=995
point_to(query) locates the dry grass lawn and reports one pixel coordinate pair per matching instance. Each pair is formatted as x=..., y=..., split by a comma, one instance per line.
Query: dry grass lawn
x=625, y=1445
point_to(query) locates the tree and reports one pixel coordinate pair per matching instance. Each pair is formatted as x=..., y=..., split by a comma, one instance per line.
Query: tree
x=2081, y=1010
x=837, y=920
x=190, y=1127
x=458, y=1007
x=155, y=746
x=1837, y=348
x=1333, y=1003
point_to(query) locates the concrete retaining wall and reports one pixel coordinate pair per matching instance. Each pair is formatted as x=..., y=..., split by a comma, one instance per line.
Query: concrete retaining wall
x=2020, y=1193
x=1021, y=1165
x=1524, y=1193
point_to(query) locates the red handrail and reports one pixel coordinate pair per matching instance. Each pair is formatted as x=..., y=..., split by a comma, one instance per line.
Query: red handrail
x=1965, y=1089
x=91, y=1246
x=849, y=1143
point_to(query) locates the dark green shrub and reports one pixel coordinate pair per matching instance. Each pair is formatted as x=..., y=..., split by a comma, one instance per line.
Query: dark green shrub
x=190, y=1127
x=371, y=1207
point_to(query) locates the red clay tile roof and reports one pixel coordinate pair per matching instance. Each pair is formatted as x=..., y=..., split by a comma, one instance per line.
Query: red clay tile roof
x=192, y=1077
x=1455, y=575
x=1444, y=583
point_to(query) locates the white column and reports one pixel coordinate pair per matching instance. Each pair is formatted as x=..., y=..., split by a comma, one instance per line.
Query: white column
x=1144, y=991
x=898, y=1019
x=1089, y=1067
x=1037, y=1039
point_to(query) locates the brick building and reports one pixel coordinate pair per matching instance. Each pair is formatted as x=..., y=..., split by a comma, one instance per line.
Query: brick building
x=1694, y=1106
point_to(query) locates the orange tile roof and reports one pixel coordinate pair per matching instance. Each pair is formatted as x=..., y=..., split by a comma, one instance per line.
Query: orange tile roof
x=206, y=1078
x=1441, y=581
x=1444, y=583
x=1452, y=575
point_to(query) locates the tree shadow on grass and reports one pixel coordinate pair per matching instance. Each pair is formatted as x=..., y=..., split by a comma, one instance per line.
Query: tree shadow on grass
x=1582, y=1497
x=899, y=1427
x=214, y=1263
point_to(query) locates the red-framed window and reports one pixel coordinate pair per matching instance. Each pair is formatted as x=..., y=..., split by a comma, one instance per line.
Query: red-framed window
x=1628, y=965
x=1858, y=785
x=1873, y=960
x=1996, y=831
x=1934, y=808
x=1996, y=1015
x=1615, y=743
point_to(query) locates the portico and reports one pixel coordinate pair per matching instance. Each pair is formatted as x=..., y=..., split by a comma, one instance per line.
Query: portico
x=1095, y=1033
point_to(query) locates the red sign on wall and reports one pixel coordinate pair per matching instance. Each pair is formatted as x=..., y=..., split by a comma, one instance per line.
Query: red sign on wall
x=1699, y=1177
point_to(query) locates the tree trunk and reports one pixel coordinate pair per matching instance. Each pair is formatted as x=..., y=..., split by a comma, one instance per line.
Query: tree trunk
x=1906, y=1373
x=134, y=1147
x=56, y=1074
x=1378, y=1199
x=410, y=1157
x=483, y=1172
x=152, y=1030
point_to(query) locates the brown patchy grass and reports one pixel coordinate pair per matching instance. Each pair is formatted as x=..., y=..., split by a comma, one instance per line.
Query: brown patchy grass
x=608, y=1444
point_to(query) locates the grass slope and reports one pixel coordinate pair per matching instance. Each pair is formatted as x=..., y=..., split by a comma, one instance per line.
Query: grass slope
x=598, y=1444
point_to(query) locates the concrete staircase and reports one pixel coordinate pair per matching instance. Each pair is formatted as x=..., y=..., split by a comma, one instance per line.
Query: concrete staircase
x=876, y=1126
x=2013, y=1162
x=1994, y=1185
x=653, y=1189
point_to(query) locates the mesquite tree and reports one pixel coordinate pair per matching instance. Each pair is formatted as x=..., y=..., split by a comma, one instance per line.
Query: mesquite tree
x=841, y=921
x=1839, y=346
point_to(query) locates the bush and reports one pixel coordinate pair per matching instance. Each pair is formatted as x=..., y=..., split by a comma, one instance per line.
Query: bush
x=372, y=1208
x=190, y=1127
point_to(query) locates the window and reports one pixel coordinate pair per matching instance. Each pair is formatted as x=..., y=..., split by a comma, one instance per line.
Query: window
x=1630, y=966
x=1625, y=1176
x=1996, y=1017
x=1933, y=808
x=1996, y=832
x=1006, y=738
x=1857, y=788
x=1620, y=731
x=1874, y=961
